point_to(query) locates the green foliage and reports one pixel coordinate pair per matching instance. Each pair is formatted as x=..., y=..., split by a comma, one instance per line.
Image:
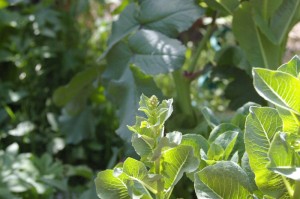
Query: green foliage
x=144, y=41
x=164, y=158
x=275, y=132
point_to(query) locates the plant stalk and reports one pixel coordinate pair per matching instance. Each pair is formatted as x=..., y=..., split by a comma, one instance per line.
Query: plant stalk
x=202, y=45
x=182, y=86
x=159, y=194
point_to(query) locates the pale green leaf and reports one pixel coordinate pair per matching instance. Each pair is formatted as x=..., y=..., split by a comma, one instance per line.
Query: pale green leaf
x=220, y=129
x=283, y=158
x=197, y=142
x=223, y=180
x=261, y=126
x=280, y=88
x=227, y=140
x=175, y=162
x=245, y=164
x=291, y=121
x=109, y=186
x=215, y=152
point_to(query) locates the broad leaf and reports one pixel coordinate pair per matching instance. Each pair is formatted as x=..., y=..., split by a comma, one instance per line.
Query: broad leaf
x=261, y=126
x=176, y=161
x=125, y=25
x=260, y=51
x=266, y=7
x=197, y=142
x=227, y=140
x=222, y=180
x=284, y=18
x=283, y=158
x=155, y=53
x=220, y=129
x=129, y=180
x=280, y=88
x=169, y=18
x=108, y=186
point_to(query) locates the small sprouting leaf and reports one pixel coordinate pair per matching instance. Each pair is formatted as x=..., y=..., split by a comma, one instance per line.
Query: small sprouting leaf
x=227, y=141
x=283, y=158
x=215, y=152
x=224, y=179
x=292, y=67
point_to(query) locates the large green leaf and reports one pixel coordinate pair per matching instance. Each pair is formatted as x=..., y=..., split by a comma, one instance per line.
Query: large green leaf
x=172, y=20
x=224, y=179
x=175, y=162
x=284, y=18
x=169, y=18
x=156, y=53
x=125, y=25
x=260, y=51
x=280, y=88
x=283, y=158
x=261, y=126
x=266, y=7
x=210, y=118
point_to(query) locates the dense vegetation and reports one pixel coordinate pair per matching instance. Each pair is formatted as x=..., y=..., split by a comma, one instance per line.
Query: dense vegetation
x=74, y=81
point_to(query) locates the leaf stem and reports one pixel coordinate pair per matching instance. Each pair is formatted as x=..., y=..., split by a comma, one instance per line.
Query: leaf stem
x=182, y=86
x=159, y=194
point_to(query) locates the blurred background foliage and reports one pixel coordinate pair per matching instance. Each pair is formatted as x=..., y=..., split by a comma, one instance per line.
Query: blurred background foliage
x=57, y=117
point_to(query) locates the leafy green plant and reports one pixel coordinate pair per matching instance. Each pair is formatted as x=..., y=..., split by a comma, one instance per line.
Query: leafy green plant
x=164, y=158
x=256, y=155
x=272, y=133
